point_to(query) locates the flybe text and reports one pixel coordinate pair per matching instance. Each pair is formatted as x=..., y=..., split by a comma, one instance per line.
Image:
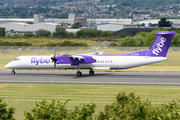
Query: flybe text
x=158, y=49
x=40, y=60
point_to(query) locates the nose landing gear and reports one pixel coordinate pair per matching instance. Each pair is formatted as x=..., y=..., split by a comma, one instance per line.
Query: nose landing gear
x=13, y=72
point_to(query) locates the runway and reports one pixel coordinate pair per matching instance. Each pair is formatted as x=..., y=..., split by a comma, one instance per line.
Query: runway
x=110, y=78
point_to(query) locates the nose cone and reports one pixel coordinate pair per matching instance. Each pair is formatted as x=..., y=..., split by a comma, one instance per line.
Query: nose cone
x=9, y=65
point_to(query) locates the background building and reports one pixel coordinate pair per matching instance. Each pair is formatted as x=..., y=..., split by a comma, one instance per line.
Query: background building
x=82, y=20
x=116, y=27
x=73, y=16
x=38, y=18
x=23, y=27
x=16, y=20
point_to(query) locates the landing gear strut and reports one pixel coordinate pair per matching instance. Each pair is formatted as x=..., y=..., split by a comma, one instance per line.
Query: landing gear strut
x=79, y=73
x=13, y=72
x=91, y=72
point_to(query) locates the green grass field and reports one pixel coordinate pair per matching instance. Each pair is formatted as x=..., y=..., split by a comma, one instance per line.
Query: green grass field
x=23, y=96
x=43, y=40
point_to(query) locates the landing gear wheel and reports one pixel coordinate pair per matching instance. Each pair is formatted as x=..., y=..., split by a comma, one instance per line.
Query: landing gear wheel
x=79, y=73
x=13, y=72
x=91, y=72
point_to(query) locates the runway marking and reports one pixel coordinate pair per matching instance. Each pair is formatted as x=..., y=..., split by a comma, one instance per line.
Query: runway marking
x=114, y=78
x=72, y=82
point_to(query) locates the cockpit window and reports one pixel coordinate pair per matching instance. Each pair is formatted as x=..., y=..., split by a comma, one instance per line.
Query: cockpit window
x=17, y=59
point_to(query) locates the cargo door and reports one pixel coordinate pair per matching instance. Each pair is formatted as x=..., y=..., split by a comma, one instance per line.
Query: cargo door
x=115, y=63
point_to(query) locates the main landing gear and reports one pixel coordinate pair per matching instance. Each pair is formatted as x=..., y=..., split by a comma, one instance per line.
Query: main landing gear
x=79, y=73
x=91, y=72
x=13, y=72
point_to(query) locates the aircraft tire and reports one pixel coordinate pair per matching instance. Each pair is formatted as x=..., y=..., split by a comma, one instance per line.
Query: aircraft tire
x=79, y=73
x=13, y=72
x=91, y=72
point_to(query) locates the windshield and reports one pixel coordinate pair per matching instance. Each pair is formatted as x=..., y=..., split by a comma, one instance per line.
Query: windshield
x=17, y=59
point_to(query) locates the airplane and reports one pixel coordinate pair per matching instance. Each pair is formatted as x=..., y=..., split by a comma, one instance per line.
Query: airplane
x=97, y=60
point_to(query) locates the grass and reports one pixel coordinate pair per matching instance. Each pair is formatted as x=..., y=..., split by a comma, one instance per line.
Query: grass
x=23, y=96
x=35, y=41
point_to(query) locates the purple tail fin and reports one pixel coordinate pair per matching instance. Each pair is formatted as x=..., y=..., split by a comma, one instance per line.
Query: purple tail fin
x=161, y=44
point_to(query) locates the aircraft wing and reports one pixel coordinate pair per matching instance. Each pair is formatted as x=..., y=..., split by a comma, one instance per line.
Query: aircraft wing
x=96, y=53
x=74, y=56
x=74, y=59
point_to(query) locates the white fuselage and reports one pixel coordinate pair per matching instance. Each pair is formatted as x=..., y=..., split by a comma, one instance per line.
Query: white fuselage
x=102, y=62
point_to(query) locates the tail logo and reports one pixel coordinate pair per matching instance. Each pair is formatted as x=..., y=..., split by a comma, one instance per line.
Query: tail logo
x=158, y=49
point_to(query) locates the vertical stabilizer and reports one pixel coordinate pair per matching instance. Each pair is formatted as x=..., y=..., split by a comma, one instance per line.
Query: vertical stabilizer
x=161, y=44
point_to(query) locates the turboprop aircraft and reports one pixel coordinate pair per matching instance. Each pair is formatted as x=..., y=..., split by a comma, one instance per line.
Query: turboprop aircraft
x=93, y=61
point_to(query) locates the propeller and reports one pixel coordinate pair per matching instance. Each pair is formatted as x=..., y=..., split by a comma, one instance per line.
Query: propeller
x=53, y=58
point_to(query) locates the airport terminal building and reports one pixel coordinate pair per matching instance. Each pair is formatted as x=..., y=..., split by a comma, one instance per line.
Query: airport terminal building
x=24, y=27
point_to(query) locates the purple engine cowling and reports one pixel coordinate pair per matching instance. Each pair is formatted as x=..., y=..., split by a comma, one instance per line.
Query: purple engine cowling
x=63, y=59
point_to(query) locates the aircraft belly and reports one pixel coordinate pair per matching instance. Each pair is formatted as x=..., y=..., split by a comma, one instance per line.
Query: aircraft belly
x=87, y=66
x=64, y=66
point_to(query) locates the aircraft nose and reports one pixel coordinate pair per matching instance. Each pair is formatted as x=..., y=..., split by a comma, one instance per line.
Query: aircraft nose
x=8, y=66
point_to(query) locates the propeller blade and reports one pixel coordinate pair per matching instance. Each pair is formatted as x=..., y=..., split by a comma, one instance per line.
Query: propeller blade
x=55, y=65
x=53, y=58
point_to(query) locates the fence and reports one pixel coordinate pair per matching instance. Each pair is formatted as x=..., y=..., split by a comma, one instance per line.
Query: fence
x=59, y=48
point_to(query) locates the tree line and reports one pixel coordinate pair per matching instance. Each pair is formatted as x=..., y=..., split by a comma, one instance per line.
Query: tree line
x=140, y=3
x=26, y=12
x=146, y=39
x=125, y=106
x=60, y=32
